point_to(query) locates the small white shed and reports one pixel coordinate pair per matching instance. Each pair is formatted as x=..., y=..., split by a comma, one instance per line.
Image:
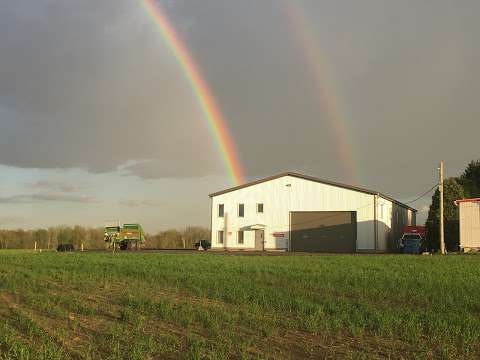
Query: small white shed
x=469, y=217
x=295, y=212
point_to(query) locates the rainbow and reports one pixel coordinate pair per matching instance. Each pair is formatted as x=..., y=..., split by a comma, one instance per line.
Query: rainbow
x=327, y=95
x=216, y=122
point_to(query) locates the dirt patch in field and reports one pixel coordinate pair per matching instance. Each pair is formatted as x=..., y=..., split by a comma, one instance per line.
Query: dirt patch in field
x=8, y=301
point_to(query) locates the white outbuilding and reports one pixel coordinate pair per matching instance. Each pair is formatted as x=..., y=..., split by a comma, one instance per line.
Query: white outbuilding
x=295, y=212
x=469, y=218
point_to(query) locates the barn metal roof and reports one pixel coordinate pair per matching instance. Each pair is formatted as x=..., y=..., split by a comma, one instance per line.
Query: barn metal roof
x=476, y=200
x=315, y=179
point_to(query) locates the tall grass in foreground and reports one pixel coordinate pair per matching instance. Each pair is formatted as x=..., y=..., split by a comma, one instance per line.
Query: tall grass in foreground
x=137, y=306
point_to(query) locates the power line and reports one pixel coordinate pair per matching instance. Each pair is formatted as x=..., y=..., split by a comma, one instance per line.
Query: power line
x=424, y=194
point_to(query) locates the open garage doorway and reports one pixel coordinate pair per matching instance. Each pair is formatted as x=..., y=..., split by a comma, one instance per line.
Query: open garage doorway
x=323, y=231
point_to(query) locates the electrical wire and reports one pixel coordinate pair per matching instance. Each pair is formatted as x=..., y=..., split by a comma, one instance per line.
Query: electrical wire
x=423, y=195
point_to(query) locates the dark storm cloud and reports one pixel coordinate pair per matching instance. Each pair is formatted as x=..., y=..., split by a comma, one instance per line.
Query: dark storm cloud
x=90, y=84
x=404, y=73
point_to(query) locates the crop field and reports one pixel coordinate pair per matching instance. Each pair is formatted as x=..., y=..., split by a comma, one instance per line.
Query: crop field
x=215, y=306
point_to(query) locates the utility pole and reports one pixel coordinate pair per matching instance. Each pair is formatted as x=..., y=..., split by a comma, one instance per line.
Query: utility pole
x=440, y=189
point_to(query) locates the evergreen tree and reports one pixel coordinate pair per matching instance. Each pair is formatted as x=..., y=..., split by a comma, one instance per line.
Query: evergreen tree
x=470, y=179
x=452, y=191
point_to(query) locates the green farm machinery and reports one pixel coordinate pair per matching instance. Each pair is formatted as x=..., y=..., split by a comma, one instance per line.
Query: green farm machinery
x=124, y=237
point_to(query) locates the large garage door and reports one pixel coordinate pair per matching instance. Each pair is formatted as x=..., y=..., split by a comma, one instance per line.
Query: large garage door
x=323, y=231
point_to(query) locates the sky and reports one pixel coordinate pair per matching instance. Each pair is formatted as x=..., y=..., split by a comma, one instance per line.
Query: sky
x=98, y=120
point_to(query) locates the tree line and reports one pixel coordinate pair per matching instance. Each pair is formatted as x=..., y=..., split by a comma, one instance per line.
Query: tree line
x=467, y=185
x=92, y=238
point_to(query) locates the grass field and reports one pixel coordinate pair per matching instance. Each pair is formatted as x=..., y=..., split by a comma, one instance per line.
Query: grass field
x=201, y=305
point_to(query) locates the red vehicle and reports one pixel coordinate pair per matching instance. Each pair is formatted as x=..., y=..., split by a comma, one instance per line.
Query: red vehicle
x=421, y=230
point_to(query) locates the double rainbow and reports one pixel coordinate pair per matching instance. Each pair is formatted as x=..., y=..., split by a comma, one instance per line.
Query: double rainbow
x=217, y=125
x=327, y=95
x=216, y=122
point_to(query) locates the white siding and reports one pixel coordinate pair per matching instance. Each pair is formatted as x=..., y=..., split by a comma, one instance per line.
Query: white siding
x=391, y=222
x=469, y=225
x=385, y=217
x=280, y=196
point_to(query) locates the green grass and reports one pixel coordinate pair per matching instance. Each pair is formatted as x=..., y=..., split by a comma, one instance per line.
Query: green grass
x=211, y=306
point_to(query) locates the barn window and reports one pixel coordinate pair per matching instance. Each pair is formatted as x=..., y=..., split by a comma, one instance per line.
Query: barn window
x=220, y=210
x=241, y=210
x=240, y=237
x=260, y=208
x=220, y=237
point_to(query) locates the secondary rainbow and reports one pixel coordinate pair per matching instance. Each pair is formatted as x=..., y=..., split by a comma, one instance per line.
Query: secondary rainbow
x=327, y=94
x=216, y=122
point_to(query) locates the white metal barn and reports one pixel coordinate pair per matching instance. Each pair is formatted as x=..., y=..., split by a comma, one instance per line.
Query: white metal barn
x=295, y=212
x=469, y=216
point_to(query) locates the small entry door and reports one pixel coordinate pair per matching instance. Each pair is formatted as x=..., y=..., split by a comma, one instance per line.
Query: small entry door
x=259, y=240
